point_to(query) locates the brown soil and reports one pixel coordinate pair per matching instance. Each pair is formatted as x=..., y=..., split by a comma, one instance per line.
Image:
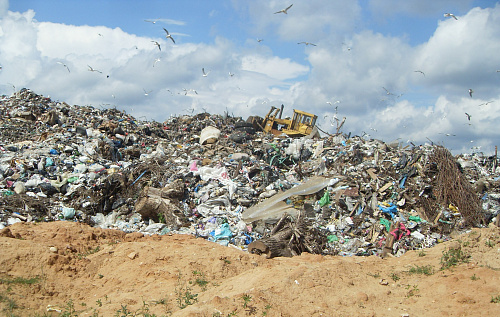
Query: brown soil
x=100, y=272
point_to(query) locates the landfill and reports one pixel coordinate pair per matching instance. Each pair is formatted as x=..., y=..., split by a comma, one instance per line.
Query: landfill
x=218, y=177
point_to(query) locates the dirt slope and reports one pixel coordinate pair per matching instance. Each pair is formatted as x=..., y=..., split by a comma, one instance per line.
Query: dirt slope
x=84, y=271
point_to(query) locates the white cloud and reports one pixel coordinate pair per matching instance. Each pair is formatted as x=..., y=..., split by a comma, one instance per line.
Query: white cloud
x=349, y=65
x=274, y=67
x=384, y=8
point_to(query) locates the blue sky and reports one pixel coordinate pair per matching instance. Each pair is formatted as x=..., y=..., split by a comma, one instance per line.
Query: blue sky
x=367, y=55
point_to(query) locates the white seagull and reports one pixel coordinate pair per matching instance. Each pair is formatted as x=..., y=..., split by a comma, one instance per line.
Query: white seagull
x=156, y=61
x=307, y=43
x=93, y=70
x=284, y=10
x=330, y=103
x=186, y=91
x=63, y=65
x=450, y=15
x=152, y=21
x=388, y=92
x=204, y=74
x=146, y=93
x=470, y=92
x=157, y=44
x=419, y=71
x=260, y=40
x=168, y=36
x=485, y=104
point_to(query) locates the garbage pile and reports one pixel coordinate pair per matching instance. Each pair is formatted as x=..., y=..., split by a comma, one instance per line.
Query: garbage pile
x=218, y=177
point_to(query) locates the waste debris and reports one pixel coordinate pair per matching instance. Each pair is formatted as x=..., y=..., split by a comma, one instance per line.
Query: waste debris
x=221, y=178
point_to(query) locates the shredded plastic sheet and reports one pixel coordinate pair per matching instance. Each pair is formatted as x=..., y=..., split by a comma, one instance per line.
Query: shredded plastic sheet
x=274, y=207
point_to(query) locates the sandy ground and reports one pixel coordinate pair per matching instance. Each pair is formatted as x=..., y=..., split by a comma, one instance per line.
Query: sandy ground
x=71, y=269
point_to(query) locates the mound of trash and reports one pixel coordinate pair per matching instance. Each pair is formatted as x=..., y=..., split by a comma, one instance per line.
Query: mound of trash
x=220, y=178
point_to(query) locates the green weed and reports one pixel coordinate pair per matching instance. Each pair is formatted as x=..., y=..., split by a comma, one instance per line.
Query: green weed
x=21, y=280
x=89, y=252
x=266, y=310
x=421, y=253
x=489, y=243
x=474, y=277
x=184, y=295
x=412, y=291
x=426, y=270
x=246, y=299
x=394, y=277
x=495, y=300
x=453, y=257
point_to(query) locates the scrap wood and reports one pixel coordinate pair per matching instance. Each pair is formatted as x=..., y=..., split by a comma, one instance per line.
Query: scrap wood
x=288, y=238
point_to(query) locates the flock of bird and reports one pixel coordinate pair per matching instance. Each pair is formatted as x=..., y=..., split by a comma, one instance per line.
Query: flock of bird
x=205, y=73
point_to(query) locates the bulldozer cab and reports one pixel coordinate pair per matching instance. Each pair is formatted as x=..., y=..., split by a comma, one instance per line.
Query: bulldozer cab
x=301, y=124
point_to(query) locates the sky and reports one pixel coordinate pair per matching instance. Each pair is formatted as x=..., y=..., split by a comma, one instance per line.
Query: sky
x=396, y=70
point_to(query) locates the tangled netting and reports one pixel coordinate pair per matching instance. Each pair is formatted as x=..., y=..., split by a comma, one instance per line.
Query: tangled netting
x=451, y=187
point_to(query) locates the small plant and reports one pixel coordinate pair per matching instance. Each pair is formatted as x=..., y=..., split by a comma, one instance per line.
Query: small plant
x=69, y=311
x=412, y=291
x=266, y=310
x=421, y=253
x=123, y=312
x=474, y=277
x=10, y=304
x=184, y=295
x=99, y=302
x=161, y=218
x=453, y=257
x=225, y=259
x=100, y=275
x=489, y=243
x=394, y=277
x=495, y=300
x=427, y=270
x=89, y=252
x=21, y=280
x=246, y=299
x=200, y=280
x=376, y=275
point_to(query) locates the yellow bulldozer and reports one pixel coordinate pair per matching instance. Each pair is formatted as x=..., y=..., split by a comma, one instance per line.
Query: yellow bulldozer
x=301, y=124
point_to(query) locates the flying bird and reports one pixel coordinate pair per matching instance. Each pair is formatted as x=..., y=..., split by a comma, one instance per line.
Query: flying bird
x=61, y=64
x=470, y=92
x=204, y=74
x=146, y=93
x=330, y=103
x=168, y=36
x=450, y=15
x=307, y=43
x=157, y=44
x=186, y=91
x=231, y=74
x=419, y=71
x=284, y=10
x=388, y=92
x=485, y=104
x=93, y=70
x=260, y=40
x=448, y=134
x=151, y=21
x=468, y=116
x=156, y=61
